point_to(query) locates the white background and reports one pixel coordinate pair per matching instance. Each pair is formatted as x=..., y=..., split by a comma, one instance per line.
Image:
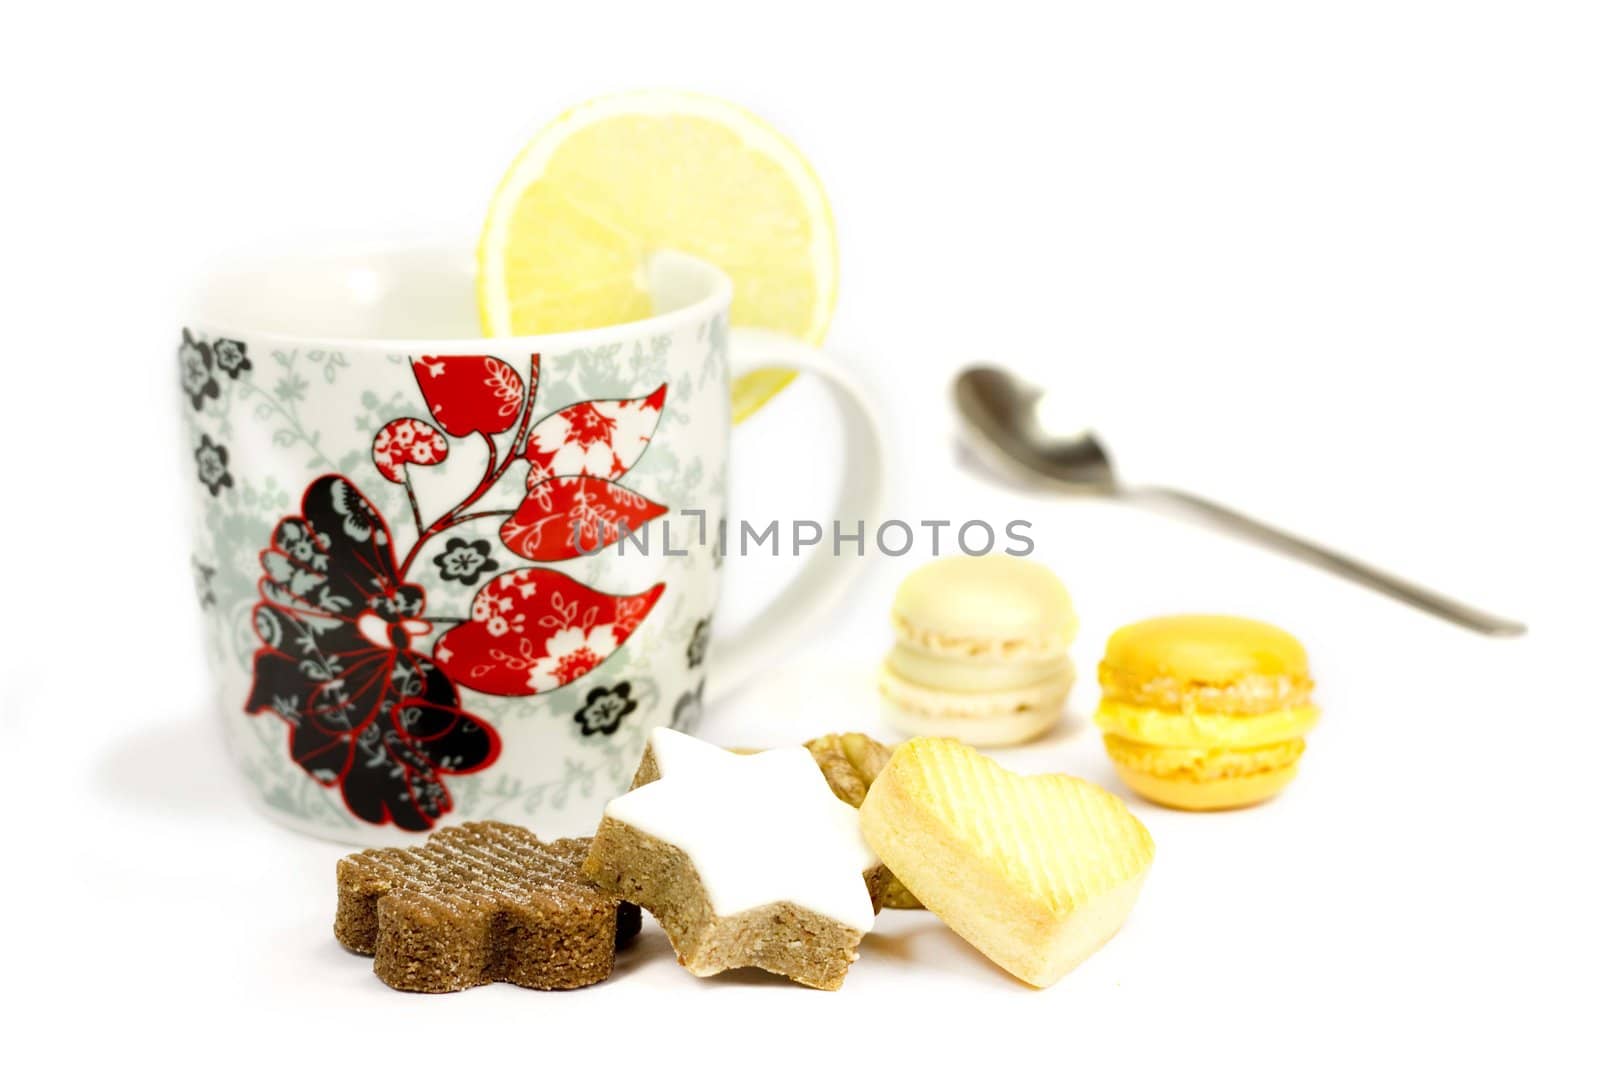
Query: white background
x=1334, y=263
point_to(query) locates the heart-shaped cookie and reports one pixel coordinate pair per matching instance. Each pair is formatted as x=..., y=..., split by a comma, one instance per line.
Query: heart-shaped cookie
x=1037, y=873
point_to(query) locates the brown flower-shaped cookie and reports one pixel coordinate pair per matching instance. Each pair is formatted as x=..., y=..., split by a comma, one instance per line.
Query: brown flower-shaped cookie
x=478, y=903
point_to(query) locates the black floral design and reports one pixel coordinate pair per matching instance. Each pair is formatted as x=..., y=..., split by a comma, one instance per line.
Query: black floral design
x=203, y=577
x=464, y=561
x=194, y=371
x=686, y=712
x=211, y=460
x=699, y=642
x=604, y=709
x=230, y=356
x=367, y=711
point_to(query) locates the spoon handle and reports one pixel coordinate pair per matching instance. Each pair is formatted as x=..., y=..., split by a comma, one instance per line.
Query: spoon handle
x=1338, y=563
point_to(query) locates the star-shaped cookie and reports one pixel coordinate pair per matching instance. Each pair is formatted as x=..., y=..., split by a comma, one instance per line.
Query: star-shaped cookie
x=745, y=860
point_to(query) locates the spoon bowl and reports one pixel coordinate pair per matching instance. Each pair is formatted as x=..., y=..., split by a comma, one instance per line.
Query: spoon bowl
x=1002, y=417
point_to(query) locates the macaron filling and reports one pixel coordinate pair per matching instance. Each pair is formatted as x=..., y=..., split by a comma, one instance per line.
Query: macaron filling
x=1204, y=729
x=1251, y=695
x=973, y=676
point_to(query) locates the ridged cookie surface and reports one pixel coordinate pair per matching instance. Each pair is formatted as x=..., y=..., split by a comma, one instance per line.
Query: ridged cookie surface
x=1036, y=872
x=477, y=903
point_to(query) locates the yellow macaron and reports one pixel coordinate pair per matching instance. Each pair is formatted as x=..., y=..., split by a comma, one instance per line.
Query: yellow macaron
x=981, y=650
x=1204, y=712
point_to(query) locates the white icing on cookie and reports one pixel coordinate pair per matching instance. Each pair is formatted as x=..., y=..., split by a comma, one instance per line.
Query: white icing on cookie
x=760, y=829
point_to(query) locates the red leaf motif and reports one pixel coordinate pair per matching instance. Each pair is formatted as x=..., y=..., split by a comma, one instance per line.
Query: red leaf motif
x=600, y=438
x=563, y=518
x=535, y=629
x=403, y=441
x=469, y=394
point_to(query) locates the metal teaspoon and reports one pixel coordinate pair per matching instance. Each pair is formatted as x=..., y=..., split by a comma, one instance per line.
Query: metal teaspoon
x=1000, y=414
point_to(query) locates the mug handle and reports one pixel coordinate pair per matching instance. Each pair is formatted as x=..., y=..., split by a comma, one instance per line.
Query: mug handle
x=802, y=603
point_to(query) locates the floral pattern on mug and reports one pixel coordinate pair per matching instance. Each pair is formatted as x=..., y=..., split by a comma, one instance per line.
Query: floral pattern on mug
x=536, y=629
x=464, y=561
x=699, y=642
x=204, y=575
x=686, y=712
x=403, y=441
x=230, y=356
x=343, y=633
x=367, y=710
x=599, y=438
x=194, y=370
x=605, y=709
x=310, y=407
x=211, y=463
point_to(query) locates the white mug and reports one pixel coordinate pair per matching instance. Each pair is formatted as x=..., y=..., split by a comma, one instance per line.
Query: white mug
x=407, y=537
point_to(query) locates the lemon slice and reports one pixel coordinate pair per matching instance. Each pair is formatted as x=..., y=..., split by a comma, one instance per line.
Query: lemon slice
x=617, y=179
